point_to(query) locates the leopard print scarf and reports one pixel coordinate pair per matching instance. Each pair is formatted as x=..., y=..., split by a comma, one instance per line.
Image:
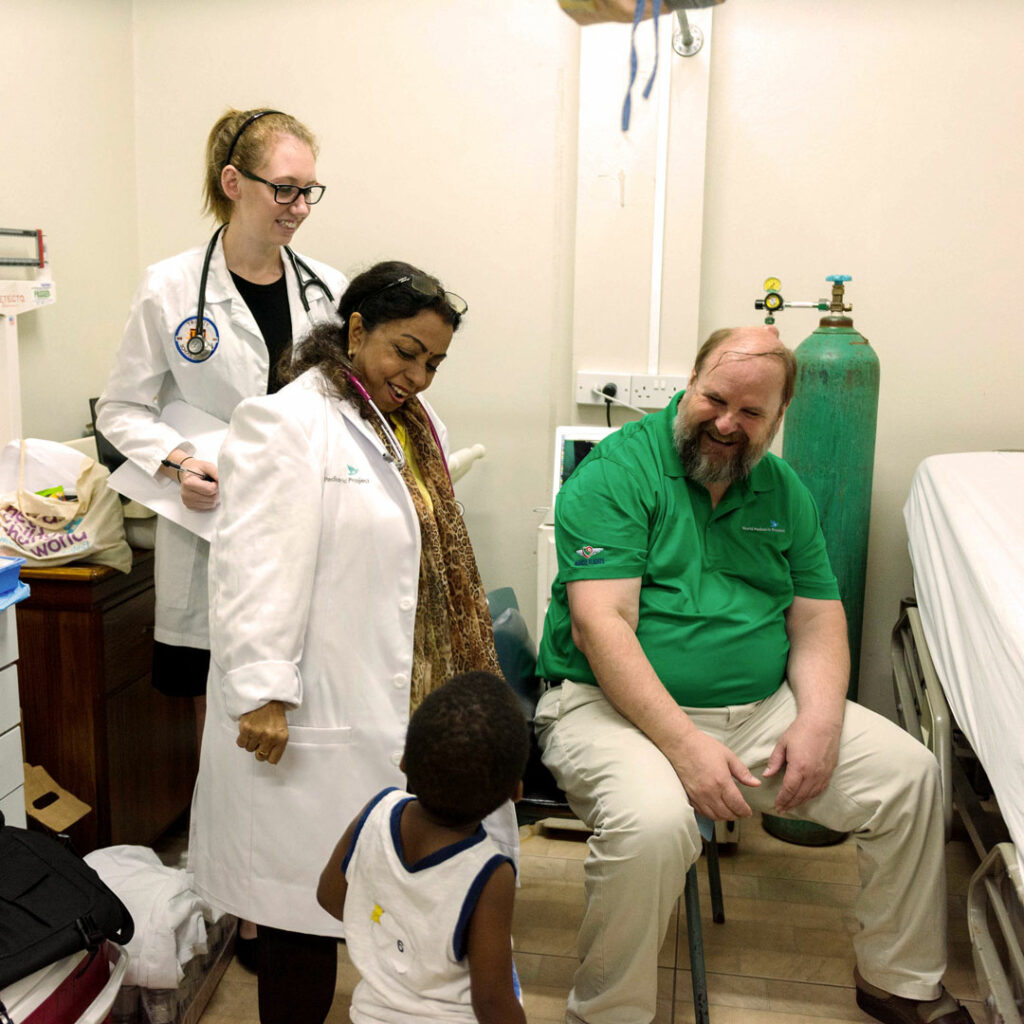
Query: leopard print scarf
x=452, y=631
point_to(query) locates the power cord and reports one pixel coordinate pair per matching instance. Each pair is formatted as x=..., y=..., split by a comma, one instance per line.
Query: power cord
x=608, y=394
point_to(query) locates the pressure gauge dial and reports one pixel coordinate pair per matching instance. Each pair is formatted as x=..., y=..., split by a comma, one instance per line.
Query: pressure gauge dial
x=773, y=301
x=773, y=284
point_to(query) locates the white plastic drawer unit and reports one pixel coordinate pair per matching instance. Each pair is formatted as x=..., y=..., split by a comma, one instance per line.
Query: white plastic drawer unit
x=12, y=773
x=8, y=637
x=10, y=713
x=12, y=807
x=12, y=797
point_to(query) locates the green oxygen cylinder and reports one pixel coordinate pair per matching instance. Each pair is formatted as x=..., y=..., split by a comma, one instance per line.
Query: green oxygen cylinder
x=829, y=439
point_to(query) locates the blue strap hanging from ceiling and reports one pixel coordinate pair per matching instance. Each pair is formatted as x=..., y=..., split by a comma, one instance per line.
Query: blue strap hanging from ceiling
x=627, y=103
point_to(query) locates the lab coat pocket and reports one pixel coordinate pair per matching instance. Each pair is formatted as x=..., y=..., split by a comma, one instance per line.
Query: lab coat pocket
x=296, y=812
x=177, y=551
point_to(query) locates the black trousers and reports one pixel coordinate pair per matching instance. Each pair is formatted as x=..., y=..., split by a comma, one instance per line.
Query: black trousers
x=296, y=975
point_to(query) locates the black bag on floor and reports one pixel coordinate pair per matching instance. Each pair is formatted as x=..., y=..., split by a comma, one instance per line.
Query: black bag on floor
x=52, y=904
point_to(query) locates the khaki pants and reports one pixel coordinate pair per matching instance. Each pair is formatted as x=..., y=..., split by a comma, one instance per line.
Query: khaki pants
x=885, y=789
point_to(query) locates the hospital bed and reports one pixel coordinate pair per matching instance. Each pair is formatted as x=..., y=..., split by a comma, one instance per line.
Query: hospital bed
x=958, y=675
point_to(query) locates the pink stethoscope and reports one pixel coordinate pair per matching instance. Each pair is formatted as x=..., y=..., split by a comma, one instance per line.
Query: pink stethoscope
x=397, y=454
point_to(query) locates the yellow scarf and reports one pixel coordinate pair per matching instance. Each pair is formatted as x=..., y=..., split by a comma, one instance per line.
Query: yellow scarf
x=452, y=631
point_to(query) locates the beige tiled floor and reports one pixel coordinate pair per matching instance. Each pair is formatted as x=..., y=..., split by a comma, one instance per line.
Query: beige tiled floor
x=783, y=955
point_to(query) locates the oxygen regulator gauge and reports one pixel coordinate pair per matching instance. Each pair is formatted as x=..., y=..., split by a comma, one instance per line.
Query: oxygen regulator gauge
x=773, y=300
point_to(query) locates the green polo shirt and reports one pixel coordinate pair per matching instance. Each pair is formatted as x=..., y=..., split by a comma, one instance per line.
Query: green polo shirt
x=715, y=583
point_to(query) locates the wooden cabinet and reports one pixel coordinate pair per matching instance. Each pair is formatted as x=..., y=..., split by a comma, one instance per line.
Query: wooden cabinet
x=89, y=713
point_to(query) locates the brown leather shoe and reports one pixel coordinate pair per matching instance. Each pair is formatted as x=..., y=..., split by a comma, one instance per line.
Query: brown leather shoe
x=890, y=1009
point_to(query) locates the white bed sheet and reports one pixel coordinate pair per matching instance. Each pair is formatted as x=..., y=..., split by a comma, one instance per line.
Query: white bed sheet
x=965, y=523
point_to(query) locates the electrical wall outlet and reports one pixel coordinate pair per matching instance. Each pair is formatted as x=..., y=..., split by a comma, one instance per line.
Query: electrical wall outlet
x=654, y=390
x=586, y=381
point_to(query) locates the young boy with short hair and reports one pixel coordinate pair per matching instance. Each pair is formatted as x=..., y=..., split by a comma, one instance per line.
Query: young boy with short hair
x=425, y=895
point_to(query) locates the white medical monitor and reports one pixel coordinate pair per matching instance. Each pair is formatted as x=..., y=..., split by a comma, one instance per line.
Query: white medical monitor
x=572, y=445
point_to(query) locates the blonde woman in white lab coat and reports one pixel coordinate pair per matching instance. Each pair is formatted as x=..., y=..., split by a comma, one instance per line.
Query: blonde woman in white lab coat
x=255, y=294
x=343, y=590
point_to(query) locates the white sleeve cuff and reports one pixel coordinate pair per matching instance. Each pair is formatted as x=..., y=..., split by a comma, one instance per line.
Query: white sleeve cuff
x=251, y=686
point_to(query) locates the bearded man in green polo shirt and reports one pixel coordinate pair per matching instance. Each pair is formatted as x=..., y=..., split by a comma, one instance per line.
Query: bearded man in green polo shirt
x=697, y=654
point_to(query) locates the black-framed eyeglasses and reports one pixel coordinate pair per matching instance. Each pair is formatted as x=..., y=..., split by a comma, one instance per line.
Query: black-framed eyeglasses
x=285, y=195
x=429, y=287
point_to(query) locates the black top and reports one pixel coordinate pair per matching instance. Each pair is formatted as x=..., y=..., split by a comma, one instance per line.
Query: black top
x=268, y=304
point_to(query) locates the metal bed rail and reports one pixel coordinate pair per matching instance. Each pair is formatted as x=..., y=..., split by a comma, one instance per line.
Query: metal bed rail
x=920, y=703
x=995, y=917
x=995, y=902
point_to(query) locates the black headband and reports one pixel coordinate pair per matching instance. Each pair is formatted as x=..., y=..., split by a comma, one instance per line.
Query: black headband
x=245, y=124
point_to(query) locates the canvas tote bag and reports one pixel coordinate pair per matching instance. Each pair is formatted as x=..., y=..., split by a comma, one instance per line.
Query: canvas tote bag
x=50, y=531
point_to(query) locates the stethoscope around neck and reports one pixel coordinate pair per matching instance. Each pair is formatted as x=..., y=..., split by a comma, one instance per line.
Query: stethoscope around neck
x=393, y=451
x=392, y=447
x=199, y=345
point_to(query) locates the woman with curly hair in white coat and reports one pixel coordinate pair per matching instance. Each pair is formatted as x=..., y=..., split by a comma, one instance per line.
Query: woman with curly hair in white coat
x=343, y=590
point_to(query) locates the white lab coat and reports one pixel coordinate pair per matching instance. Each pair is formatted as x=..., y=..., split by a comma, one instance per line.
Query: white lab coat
x=314, y=572
x=149, y=372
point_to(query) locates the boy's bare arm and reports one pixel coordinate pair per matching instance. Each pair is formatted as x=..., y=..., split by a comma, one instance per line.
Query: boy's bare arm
x=330, y=893
x=490, y=952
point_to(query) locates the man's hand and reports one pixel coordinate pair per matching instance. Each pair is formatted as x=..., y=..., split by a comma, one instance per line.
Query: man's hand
x=604, y=618
x=806, y=753
x=818, y=671
x=709, y=771
x=264, y=732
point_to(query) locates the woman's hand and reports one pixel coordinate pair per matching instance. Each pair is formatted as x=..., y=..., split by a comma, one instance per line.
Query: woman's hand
x=264, y=732
x=197, y=492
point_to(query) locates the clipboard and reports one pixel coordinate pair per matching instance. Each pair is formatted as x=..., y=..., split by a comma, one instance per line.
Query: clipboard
x=207, y=433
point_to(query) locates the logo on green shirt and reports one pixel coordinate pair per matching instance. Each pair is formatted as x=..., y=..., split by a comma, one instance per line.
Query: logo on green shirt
x=772, y=527
x=587, y=553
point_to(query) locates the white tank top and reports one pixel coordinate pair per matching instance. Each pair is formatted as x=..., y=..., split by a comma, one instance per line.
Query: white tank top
x=407, y=925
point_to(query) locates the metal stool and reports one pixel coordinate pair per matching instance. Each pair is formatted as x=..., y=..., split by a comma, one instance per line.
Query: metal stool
x=694, y=930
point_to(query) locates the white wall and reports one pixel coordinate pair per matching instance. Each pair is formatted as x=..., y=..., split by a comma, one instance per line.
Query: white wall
x=448, y=139
x=869, y=137
x=639, y=193
x=879, y=139
x=67, y=164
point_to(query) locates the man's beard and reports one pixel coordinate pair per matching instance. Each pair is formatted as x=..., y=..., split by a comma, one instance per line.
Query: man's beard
x=706, y=469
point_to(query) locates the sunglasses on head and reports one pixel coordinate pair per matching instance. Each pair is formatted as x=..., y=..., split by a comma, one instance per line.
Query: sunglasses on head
x=427, y=286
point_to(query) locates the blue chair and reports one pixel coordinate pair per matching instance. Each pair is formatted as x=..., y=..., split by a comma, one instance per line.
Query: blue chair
x=517, y=655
